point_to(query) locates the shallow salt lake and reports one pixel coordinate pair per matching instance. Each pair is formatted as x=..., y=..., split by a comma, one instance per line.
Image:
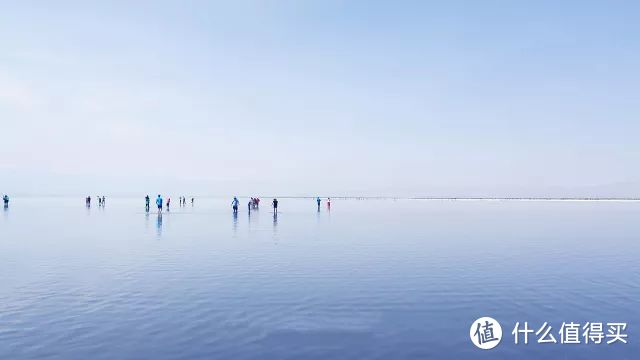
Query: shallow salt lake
x=370, y=279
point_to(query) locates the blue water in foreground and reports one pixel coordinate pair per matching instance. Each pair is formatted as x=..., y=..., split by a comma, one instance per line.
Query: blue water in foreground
x=372, y=279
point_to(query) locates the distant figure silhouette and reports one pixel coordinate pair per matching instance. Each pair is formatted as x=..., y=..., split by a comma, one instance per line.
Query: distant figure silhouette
x=5, y=200
x=146, y=201
x=318, y=200
x=328, y=203
x=275, y=206
x=159, y=203
x=234, y=204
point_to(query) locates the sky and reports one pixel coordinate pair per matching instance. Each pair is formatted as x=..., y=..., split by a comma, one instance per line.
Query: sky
x=329, y=98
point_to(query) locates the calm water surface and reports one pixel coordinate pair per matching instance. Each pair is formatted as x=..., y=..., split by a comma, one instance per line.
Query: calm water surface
x=373, y=279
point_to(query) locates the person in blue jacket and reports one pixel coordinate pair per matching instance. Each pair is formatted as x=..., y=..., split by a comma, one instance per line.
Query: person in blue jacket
x=159, y=203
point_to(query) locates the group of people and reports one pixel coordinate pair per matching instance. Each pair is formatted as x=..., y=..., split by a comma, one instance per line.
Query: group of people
x=254, y=203
x=160, y=202
x=183, y=201
x=101, y=201
x=319, y=201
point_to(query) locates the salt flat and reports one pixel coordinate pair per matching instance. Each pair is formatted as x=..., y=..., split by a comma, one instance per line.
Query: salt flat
x=368, y=279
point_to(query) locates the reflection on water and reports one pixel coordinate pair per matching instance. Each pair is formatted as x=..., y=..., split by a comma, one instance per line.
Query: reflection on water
x=159, y=226
x=275, y=226
x=235, y=223
x=275, y=220
x=381, y=279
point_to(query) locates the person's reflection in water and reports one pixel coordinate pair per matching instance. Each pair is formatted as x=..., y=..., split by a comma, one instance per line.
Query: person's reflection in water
x=275, y=226
x=235, y=223
x=159, y=225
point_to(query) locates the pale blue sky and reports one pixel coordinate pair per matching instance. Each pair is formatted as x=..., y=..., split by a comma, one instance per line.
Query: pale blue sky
x=503, y=98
